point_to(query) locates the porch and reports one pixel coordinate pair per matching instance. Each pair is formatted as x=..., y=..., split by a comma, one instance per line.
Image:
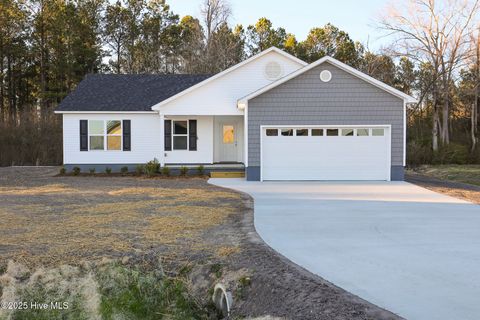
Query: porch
x=216, y=142
x=217, y=170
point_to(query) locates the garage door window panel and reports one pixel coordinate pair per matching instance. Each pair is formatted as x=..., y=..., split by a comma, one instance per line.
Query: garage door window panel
x=363, y=132
x=376, y=132
x=347, y=132
x=332, y=132
x=272, y=132
x=287, y=132
x=317, y=132
x=302, y=132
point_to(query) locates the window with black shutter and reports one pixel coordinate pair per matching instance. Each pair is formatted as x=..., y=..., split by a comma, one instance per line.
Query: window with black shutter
x=127, y=135
x=168, y=135
x=192, y=135
x=83, y=135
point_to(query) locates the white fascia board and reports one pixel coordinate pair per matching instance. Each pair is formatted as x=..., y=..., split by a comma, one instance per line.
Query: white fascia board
x=104, y=112
x=406, y=98
x=218, y=75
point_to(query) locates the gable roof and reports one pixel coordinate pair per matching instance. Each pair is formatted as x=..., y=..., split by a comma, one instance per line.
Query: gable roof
x=232, y=68
x=125, y=92
x=405, y=97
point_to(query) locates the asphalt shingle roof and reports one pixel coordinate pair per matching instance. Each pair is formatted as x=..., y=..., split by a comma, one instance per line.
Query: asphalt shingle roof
x=126, y=92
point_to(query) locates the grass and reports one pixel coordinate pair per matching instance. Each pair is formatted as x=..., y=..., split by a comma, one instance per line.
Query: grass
x=40, y=227
x=58, y=233
x=459, y=173
x=104, y=291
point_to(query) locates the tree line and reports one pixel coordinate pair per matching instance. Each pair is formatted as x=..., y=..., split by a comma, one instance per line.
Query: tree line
x=48, y=46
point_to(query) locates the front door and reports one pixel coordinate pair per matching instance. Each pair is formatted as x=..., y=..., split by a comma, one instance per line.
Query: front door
x=228, y=142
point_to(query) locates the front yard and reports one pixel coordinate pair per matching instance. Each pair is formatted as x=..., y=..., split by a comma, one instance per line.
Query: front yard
x=460, y=181
x=139, y=248
x=456, y=173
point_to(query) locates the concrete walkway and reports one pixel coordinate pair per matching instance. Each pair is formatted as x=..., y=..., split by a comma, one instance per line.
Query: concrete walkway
x=399, y=246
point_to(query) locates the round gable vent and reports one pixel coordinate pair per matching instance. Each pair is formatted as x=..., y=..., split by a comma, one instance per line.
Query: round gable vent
x=273, y=70
x=325, y=76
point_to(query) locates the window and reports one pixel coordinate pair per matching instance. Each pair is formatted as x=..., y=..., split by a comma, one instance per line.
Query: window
x=228, y=134
x=101, y=131
x=287, y=132
x=347, y=132
x=362, y=132
x=377, y=132
x=114, y=135
x=96, y=134
x=180, y=135
x=302, y=132
x=317, y=132
x=332, y=132
x=272, y=132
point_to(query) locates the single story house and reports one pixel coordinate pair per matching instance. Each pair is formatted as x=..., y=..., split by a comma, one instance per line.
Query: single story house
x=272, y=115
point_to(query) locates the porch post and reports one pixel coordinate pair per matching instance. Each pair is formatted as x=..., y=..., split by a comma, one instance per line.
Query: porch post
x=161, y=157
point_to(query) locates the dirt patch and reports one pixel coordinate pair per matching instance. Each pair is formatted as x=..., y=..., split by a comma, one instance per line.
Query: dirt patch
x=194, y=228
x=458, y=190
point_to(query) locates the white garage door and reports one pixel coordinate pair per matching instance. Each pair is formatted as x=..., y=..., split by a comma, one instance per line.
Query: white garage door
x=326, y=153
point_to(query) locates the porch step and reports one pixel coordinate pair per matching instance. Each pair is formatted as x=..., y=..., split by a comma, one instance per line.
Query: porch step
x=227, y=174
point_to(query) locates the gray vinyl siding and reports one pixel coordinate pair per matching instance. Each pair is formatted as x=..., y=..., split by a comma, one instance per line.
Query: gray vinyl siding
x=306, y=100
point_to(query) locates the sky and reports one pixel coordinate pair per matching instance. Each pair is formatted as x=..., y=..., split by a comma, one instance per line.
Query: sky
x=356, y=17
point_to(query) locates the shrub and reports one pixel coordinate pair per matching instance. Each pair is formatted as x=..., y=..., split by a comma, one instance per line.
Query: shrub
x=451, y=154
x=62, y=171
x=183, y=170
x=124, y=170
x=140, y=169
x=419, y=153
x=201, y=170
x=166, y=171
x=152, y=167
x=92, y=170
x=102, y=291
x=108, y=170
x=76, y=171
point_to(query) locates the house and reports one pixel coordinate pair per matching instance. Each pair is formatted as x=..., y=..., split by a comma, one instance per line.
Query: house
x=272, y=115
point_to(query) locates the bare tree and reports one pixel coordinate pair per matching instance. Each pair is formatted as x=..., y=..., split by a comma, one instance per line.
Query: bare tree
x=214, y=14
x=436, y=32
x=476, y=78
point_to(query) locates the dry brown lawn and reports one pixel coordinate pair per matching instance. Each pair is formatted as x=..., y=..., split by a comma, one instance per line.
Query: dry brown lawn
x=51, y=220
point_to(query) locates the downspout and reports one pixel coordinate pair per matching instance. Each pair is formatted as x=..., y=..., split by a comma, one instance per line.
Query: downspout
x=245, y=132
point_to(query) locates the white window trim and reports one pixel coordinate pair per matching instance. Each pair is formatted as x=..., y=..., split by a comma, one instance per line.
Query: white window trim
x=105, y=136
x=181, y=135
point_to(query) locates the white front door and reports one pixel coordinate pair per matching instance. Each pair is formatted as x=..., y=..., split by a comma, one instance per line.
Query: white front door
x=228, y=142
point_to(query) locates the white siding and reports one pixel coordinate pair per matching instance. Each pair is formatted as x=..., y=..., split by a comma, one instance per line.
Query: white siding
x=146, y=141
x=204, y=153
x=220, y=96
x=145, y=144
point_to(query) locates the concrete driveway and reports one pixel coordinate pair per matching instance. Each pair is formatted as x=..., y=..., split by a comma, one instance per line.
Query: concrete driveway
x=404, y=248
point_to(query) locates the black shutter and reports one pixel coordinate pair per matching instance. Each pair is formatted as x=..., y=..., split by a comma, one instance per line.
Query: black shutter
x=192, y=135
x=83, y=135
x=127, y=136
x=168, y=135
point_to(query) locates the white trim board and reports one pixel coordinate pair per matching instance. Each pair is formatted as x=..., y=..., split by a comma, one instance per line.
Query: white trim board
x=100, y=112
x=243, y=102
x=218, y=75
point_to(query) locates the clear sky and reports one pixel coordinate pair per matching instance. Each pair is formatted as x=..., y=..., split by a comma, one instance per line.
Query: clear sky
x=357, y=17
